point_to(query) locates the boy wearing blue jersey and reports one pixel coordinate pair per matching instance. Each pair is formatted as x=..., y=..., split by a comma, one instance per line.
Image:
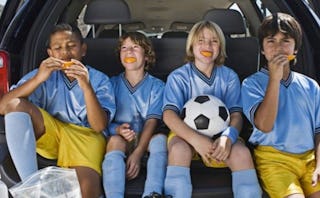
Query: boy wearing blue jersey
x=205, y=74
x=59, y=111
x=284, y=108
x=134, y=128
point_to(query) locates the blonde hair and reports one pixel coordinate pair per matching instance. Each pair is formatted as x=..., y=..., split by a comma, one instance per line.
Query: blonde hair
x=194, y=34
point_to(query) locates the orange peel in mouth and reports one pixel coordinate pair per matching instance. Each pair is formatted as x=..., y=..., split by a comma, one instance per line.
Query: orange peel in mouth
x=206, y=53
x=65, y=65
x=130, y=59
x=291, y=57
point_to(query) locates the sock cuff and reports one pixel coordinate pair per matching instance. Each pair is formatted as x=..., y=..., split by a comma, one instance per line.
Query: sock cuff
x=17, y=115
x=247, y=176
x=178, y=170
x=115, y=153
x=158, y=143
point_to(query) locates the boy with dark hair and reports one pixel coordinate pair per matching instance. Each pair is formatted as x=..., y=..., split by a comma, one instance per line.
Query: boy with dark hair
x=61, y=112
x=284, y=108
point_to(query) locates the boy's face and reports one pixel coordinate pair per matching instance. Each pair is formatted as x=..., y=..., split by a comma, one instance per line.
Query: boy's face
x=279, y=44
x=66, y=46
x=132, y=55
x=206, y=47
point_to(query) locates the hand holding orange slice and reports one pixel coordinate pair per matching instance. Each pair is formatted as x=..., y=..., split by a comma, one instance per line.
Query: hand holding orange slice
x=291, y=57
x=206, y=53
x=67, y=64
x=130, y=59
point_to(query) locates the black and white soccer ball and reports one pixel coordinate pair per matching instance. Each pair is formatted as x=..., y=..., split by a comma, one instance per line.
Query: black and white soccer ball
x=206, y=114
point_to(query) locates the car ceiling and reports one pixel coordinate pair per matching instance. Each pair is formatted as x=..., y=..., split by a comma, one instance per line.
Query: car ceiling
x=158, y=15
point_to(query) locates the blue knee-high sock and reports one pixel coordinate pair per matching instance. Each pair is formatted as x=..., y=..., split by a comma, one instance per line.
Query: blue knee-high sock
x=245, y=184
x=157, y=164
x=113, y=170
x=178, y=182
x=21, y=143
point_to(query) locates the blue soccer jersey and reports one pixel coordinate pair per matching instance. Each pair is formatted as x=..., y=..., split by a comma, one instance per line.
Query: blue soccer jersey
x=144, y=100
x=187, y=82
x=298, y=116
x=64, y=99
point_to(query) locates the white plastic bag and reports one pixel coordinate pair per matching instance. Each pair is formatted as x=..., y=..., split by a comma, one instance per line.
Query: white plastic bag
x=53, y=182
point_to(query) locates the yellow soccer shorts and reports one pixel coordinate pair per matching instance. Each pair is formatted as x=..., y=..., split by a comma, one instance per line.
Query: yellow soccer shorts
x=70, y=144
x=196, y=156
x=283, y=174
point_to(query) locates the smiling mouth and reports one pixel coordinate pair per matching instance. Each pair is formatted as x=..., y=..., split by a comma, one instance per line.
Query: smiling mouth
x=206, y=53
x=130, y=59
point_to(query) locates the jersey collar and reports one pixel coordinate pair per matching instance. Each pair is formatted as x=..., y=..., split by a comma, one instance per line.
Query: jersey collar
x=286, y=82
x=207, y=80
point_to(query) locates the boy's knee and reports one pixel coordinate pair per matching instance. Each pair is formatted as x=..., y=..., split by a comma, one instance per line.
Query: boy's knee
x=240, y=158
x=116, y=142
x=178, y=145
x=13, y=105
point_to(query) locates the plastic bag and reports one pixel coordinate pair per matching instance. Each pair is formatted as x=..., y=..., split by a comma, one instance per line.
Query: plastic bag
x=53, y=182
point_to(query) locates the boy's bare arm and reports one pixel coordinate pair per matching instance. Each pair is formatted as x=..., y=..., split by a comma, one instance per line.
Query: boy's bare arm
x=316, y=173
x=236, y=120
x=317, y=149
x=147, y=132
x=97, y=117
x=266, y=113
x=45, y=69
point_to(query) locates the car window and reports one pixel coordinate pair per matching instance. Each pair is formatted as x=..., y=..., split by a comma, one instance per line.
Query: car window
x=84, y=28
x=263, y=10
x=2, y=3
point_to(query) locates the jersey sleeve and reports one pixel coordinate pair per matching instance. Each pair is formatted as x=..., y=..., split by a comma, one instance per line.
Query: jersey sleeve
x=156, y=101
x=105, y=95
x=252, y=96
x=174, y=97
x=38, y=96
x=233, y=94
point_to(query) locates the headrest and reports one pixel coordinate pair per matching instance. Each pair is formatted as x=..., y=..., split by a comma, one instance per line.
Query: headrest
x=230, y=21
x=175, y=34
x=104, y=12
x=181, y=26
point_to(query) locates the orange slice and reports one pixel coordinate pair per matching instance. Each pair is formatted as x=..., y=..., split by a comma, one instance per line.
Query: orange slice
x=130, y=59
x=65, y=65
x=206, y=53
x=291, y=57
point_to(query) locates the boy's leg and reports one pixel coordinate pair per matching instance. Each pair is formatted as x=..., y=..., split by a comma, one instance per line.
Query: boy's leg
x=178, y=179
x=90, y=182
x=114, y=167
x=245, y=182
x=113, y=170
x=156, y=166
x=21, y=143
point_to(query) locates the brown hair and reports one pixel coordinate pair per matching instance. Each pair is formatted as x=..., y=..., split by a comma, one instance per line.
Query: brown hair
x=280, y=22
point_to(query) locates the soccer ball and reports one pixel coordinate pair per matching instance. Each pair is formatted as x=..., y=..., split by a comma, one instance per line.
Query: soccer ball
x=206, y=114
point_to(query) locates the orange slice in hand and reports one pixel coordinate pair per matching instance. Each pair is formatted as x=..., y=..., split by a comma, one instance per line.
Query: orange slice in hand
x=206, y=53
x=65, y=65
x=291, y=57
x=130, y=59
